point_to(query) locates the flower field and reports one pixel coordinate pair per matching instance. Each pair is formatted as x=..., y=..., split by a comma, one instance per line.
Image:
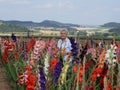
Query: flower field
x=37, y=64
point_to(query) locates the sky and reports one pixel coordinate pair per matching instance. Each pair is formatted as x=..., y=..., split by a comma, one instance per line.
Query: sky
x=87, y=12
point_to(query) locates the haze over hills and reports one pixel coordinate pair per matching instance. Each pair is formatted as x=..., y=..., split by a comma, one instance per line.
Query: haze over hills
x=20, y=26
x=55, y=24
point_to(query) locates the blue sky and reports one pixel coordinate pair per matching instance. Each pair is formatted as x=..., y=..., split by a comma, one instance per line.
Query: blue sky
x=90, y=12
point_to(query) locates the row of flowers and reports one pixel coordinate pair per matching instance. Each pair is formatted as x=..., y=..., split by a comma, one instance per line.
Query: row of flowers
x=37, y=64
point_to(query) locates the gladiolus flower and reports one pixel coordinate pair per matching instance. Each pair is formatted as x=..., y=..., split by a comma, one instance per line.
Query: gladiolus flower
x=64, y=72
x=75, y=69
x=42, y=80
x=46, y=63
x=117, y=88
x=109, y=87
x=30, y=44
x=16, y=55
x=95, y=73
x=5, y=56
x=89, y=88
x=20, y=78
x=38, y=48
x=53, y=63
x=30, y=84
x=57, y=71
x=13, y=37
x=28, y=68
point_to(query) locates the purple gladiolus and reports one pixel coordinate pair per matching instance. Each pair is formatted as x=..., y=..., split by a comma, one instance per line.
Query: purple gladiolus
x=24, y=46
x=74, y=50
x=92, y=43
x=57, y=71
x=74, y=46
x=14, y=37
x=83, y=52
x=26, y=58
x=42, y=80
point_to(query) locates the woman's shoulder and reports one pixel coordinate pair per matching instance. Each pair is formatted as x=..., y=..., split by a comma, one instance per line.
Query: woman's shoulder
x=59, y=40
x=67, y=39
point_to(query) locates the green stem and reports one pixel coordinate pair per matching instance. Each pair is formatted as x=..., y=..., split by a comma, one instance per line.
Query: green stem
x=83, y=78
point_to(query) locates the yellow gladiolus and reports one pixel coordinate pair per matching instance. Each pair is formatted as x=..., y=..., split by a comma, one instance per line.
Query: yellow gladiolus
x=64, y=72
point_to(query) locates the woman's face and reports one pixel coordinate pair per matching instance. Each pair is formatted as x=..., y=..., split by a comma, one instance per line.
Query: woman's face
x=63, y=34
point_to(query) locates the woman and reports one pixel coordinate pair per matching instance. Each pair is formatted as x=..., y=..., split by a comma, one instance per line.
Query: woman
x=64, y=45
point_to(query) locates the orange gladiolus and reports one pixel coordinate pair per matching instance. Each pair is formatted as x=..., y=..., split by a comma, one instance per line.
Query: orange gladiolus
x=101, y=58
x=80, y=75
x=63, y=51
x=75, y=69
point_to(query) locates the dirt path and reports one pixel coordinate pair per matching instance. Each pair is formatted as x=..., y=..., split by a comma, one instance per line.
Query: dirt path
x=4, y=84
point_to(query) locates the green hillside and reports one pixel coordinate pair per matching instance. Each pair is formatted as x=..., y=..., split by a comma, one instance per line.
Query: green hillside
x=111, y=25
x=5, y=27
x=114, y=27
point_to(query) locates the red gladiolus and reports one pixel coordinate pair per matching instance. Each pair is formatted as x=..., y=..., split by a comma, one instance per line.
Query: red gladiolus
x=117, y=88
x=98, y=70
x=53, y=63
x=16, y=55
x=119, y=59
x=95, y=73
x=89, y=88
x=30, y=79
x=5, y=56
x=87, y=65
x=80, y=80
x=109, y=87
x=28, y=68
x=30, y=84
x=75, y=69
x=94, y=77
x=10, y=46
x=30, y=44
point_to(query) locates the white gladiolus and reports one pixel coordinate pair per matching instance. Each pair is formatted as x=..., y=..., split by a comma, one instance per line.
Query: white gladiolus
x=46, y=63
x=111, y=56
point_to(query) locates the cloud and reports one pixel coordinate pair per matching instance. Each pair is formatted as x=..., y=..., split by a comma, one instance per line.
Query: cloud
x=66, y=4
x=116, y=9
x=63, y=5
x=15, y=1
x=47, y=5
